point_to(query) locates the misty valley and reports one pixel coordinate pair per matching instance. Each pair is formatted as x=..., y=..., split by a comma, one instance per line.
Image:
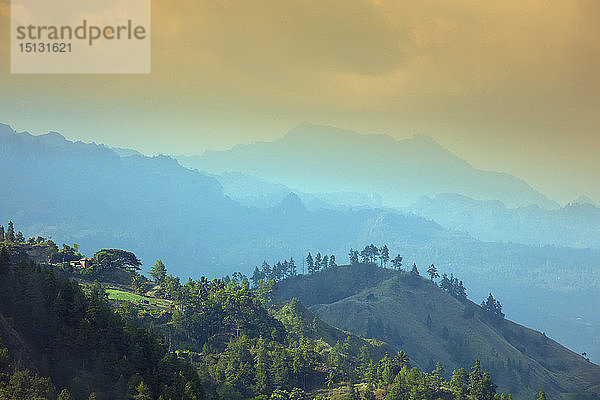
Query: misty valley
x=325, y=264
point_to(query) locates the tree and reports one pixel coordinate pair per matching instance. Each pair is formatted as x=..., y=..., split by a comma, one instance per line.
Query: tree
x=332, y=261
x=401, y=358
x=297, y=394
x=475, y=381
x=115, y=258
x=292, y=267
x=261, y=368
x=158, y=272
x=437, y=375
x=353, y=255
x=461, y=292
x=256, y=276
x=310, y=264
x=541, y=395
x=325, y=261
x=318, y=261
x=384, y=255
x=459, y=382
x=352, y=393
x=19, y=238
x=10, y=233
x=22, y=384
x=433, y=273
x=397, y=262
x=277, y=271
x=414, y=270
x=143, y=392
x=267, y=272
x=368, y=395
x=369, y=254
x=445, y=284
x=2, y=236
x=371, y=375
x=64, y=395
x=493, y=307
x=374, y=252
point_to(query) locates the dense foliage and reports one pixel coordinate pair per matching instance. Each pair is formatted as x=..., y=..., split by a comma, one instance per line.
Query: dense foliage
x=116, y=258
x=226, y=329
x=81, y=344
x=242, y=352
x=209, y=309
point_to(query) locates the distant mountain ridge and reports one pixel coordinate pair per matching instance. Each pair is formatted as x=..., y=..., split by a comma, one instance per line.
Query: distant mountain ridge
x=575, y=225
x=255, y=192
x=314, y=159
x=583, y=199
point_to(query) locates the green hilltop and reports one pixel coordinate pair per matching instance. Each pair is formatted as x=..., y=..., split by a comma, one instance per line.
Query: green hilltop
x=414, y=314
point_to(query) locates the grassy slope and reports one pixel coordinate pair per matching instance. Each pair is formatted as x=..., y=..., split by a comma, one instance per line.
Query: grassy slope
x=116, y=294
x=297, y=318
x=395, y=306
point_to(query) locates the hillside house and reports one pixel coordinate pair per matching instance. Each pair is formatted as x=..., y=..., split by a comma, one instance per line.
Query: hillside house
x=83, y=263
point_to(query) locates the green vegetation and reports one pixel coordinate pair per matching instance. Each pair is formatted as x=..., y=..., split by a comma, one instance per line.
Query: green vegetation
x=73, y=337
x=242, y=351
x=20, y=384
x=432, y=324
x=116, y=294
x=223, y=339
x=115, y=258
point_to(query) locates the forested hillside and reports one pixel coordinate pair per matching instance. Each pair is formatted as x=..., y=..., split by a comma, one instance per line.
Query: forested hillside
x=242, y=343
x=242, y=351
x=434, y=322
x=53, y=328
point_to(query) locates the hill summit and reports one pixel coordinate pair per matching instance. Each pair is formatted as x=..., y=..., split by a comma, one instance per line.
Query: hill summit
x=414, y=314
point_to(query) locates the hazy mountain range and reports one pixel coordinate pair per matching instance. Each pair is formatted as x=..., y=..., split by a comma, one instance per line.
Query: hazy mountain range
x=313, y=159
x=256, y=192
x=576, y=225
x=88, y=194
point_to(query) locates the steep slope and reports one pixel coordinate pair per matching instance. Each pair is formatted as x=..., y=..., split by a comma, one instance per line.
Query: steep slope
x=575, y=225
x=298, y=319
x=400, y=171
x=416, y=316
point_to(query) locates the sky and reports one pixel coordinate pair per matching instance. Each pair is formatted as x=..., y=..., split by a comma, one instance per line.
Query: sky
x=510, y=86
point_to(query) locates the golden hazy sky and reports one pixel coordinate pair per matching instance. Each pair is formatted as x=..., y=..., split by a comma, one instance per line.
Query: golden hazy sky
x=511, y=86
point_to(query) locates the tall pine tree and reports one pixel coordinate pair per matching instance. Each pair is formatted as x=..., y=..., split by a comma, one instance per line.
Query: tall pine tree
x=158, y=272
x=10, y=233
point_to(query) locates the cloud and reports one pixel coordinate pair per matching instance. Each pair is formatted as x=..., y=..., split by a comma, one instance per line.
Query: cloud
x=380, y=48
x=478, y=75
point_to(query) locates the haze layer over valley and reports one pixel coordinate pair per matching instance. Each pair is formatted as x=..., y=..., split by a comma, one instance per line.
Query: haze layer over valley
x=202, y=224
